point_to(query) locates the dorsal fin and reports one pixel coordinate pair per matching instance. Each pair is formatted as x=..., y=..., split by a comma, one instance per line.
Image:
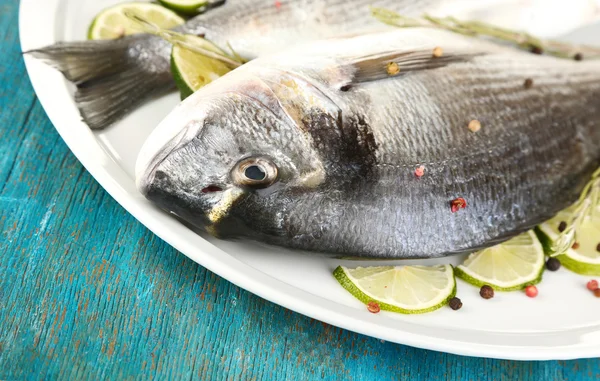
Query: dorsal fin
x=391, y=64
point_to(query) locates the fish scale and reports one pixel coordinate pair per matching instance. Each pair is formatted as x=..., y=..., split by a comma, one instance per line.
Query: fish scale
x=534, y=153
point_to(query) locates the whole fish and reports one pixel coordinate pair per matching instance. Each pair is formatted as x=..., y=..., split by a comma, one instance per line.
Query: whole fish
x=115, y=77
x=362, y=146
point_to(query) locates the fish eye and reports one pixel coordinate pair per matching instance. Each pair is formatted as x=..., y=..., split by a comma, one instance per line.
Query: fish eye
x=255, y=172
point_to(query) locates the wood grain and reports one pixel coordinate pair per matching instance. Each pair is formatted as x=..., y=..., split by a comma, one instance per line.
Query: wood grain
x=88, y=293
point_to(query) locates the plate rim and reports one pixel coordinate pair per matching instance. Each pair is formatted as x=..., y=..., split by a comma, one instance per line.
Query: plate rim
x=36, y=30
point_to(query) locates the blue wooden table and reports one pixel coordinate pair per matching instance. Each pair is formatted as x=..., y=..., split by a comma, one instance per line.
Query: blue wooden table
x=87, y=292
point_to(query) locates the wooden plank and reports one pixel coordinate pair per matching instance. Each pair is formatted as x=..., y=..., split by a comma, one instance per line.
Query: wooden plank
x=86, y=292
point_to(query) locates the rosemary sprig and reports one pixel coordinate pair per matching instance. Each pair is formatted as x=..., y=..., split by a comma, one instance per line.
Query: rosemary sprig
x=587, y=205
x=520, y=40
x=193, y=43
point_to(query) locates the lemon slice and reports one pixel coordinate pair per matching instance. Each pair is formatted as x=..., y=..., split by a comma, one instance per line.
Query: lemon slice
x=511, y=265
x=404, y=289
x=112, y=23
x=188, y=7
x=582, y=258
x=192, y=70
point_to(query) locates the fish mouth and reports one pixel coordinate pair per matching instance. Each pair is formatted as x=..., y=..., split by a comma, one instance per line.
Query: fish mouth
x=209, y=212
x=157, y=187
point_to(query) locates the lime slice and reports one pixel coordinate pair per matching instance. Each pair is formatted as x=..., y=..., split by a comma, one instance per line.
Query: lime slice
x=192, y=70
x=549, y=231
x=512, y=265
x=404, y=289
x=583, y=258
x=112, y=23
x=188, y=7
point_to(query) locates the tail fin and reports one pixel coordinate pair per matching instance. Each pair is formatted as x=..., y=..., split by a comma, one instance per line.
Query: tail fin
x=112, y=77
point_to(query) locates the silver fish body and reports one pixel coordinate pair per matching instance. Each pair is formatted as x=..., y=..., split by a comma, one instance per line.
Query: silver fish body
x=316, y=148
x=257, y=28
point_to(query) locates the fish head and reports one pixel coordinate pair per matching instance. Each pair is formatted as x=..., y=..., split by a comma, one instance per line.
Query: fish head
x=222, y=157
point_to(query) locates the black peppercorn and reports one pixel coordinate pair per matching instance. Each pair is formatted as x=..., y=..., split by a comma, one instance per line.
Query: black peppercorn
x=486, y=292
x=598, y=248
x=528, y=83
x=455, y=303
x=578, y=57
x=552, y=264
x=537, y=50
x=562, y=226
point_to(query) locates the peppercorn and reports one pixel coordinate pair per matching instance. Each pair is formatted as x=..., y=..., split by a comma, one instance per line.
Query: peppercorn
x=486, y=292
x=575, y=245
x=578, y=57
x=537, y=50
x=528, y=83
x=457, y=203
x=562, y=226
x=420, y=171
x=474, y=125
x=597, y=293
x=373, y=307
x=592, y=285
x=437, y=52
x=531, y=291
x=598, y=248
x=393, y=68
x=455, y=303
x=552, y=264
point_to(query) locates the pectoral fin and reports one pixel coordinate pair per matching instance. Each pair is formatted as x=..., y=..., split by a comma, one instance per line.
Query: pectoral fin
x=392, y=64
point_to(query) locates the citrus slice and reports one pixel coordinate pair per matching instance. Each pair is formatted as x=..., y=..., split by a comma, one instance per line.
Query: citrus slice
x=112, y=22
x=188, y=7
x=584, y=256
x=404, y=289
x=549, y=231
x=193, y=70
x=511, y=265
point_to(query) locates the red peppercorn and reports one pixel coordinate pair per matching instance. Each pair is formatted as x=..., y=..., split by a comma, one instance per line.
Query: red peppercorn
x=597, y=293
x=457, y=204
x=592, y=285
x=575, y=245
x=531, y=291
x=420, y=171
x=373, y=307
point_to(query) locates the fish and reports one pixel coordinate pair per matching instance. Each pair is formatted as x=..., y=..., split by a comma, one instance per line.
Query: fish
x=366, y=146
x=115, y=77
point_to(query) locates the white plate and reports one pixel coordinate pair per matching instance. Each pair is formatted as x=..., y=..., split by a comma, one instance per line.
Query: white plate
x=561, y=323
